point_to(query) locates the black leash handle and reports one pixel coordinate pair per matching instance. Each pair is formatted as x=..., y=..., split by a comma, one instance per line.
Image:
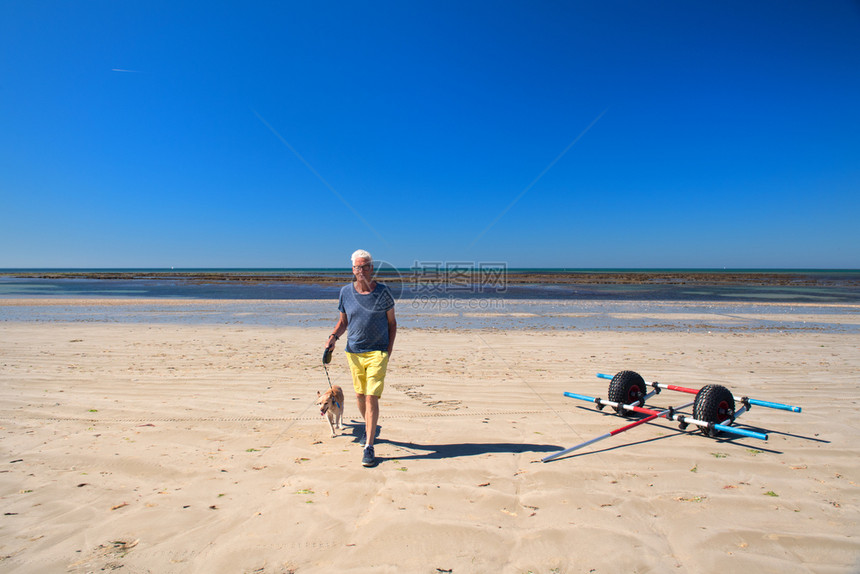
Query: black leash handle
x=326, y=361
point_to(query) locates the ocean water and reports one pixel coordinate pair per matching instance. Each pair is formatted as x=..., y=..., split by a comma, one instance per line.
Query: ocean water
x=833, y=286
x=831, y=307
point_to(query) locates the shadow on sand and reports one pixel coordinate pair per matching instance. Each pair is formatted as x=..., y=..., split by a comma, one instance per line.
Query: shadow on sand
x=456, y=450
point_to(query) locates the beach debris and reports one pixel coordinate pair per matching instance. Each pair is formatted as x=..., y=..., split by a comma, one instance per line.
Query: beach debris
x=124, y=545
x=106, y=554
x=714, y=409
x=118, y=506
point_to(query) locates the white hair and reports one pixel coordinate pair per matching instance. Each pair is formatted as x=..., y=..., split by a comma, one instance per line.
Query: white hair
x=361, y=254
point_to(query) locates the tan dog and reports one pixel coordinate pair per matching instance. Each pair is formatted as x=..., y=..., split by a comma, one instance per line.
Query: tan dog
x=331, y=405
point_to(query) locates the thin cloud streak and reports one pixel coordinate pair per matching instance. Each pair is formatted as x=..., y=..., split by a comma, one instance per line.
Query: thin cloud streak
x=321, y=178
x=535, y=180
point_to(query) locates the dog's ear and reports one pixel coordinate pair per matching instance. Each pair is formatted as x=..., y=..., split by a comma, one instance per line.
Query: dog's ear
x=318, y=393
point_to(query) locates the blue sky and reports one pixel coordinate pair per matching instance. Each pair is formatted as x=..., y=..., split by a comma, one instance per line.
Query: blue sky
x=288, y=134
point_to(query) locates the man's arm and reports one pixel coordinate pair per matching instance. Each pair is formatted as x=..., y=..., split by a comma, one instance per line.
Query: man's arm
x=392, y=329
x=339, y=330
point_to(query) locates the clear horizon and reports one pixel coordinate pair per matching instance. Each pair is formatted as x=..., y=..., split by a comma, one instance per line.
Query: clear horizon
x=588, y=135
x=9, y=270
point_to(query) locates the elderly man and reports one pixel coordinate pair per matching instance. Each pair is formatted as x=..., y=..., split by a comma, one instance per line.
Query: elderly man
x=367, y=313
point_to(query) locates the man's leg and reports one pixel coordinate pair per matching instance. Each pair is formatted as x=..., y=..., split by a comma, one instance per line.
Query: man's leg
x=375, y=377
x=371, y=417
x=373, y=366
x=359, y=382
x=361, y=405
x=368, y=406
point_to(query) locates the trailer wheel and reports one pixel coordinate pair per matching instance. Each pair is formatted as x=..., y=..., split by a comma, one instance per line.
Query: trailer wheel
x=626, y=387
x=714, y=404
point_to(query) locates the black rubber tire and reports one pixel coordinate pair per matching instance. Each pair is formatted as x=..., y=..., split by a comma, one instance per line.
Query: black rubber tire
x=627, y=387
x=714, y=404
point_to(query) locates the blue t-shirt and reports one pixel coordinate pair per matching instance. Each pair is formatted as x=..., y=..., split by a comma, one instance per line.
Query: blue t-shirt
x=367, y=316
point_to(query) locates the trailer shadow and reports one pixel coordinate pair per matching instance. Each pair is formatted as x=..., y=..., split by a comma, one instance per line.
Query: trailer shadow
x=666, y=424
x=677, y=433
x=735, y=440
x=785, y=434
x=611, y=448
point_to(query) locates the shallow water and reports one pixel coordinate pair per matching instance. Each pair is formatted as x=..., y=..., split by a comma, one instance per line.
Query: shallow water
x=833, y=288
x=543, y=314
x=829, y=305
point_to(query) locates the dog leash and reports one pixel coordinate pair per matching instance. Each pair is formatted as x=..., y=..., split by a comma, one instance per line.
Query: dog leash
x=329, y=385
x=326, y=361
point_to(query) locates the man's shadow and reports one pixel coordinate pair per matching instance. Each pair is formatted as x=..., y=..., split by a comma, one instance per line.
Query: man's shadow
x=440, y=451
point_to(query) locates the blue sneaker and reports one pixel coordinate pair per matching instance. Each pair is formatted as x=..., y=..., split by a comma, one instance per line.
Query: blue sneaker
x=363, y=442
x=369, y=458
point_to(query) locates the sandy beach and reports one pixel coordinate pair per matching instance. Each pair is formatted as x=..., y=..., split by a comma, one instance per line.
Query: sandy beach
x=197, y=448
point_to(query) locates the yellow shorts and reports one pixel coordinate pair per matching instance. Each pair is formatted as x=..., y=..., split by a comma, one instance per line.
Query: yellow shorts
x=368, y=372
